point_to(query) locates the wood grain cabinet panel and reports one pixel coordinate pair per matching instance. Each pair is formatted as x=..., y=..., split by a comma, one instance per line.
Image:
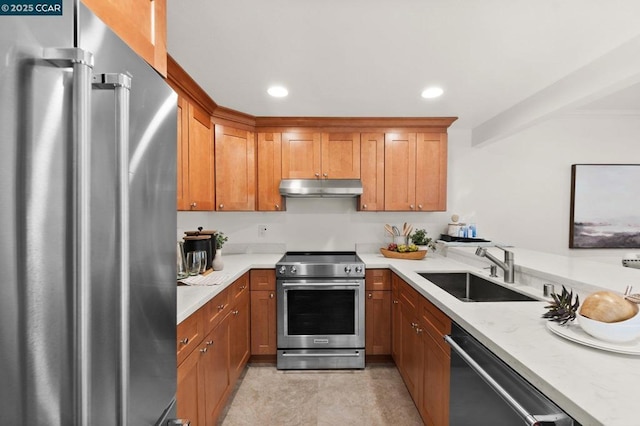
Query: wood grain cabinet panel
x=142, y=24
x=399, y=171
x=263, y=312
x=431, y=171
x=341, y=155
x=301, y=155
x=372, y=172
x=235, y=154
x=190, y=389
x=196, y=144
x=269, y=146
x=378, y=322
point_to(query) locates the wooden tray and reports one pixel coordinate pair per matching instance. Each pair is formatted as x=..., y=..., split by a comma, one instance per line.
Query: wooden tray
x=412, y=255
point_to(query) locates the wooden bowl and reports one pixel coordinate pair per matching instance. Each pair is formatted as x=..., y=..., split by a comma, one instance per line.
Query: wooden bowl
x=412, y=255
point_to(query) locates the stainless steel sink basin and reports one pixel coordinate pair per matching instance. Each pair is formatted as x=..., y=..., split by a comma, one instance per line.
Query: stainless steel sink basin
x=472, y=288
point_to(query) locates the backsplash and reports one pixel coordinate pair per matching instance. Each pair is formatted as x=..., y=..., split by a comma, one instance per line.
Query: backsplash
x=310, y=224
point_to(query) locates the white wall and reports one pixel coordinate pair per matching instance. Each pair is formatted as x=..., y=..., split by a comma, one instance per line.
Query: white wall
x=518, y=189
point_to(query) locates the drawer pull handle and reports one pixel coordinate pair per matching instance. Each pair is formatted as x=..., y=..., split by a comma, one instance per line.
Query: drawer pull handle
x=203, y=350
x=271, y=296
x=184, y=341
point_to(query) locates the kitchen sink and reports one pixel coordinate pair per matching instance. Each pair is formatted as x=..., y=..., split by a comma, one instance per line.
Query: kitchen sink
x=472, y=288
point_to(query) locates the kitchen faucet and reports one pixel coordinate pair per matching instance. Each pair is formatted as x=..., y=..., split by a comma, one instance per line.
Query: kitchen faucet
x=507, y=265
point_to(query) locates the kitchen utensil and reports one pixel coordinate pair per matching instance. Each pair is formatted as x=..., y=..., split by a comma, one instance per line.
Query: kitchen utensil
x=396, y=231
x=389, y=229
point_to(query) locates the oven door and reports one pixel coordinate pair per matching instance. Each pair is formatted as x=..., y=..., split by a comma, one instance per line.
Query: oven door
x=316, y=314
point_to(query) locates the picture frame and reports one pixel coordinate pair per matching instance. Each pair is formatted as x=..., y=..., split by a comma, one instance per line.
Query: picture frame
x=605, y=206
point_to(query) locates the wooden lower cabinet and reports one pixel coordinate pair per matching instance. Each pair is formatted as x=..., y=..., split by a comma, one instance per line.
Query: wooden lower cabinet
x=378, y=312
x=207, y=375
x=420, y=352
x=263, y=312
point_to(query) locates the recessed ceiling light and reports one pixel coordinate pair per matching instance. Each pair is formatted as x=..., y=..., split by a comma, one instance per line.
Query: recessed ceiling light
x=278, y=91
x=432, y=92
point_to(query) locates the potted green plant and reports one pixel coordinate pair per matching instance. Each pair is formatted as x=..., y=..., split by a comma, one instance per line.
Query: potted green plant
x=419, y=238
x=220, y=239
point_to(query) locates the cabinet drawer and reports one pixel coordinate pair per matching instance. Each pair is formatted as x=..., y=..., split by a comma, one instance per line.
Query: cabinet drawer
x=377, y=279
x=238, y=288
x=263, y=279
x=436, y=323
x=216, y=309
x=189, y=335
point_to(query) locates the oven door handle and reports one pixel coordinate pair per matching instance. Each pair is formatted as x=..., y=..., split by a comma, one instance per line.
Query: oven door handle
x=299, y=285
x=317, y=354
x=529, y=418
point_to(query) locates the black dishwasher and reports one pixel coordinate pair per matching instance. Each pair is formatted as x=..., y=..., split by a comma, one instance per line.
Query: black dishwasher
x=486, y=391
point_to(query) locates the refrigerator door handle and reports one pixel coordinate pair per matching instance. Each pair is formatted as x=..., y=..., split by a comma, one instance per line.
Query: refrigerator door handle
x=121, y=84
x=81, y=61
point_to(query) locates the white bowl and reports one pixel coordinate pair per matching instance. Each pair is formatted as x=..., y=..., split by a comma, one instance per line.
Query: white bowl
x=614, y=332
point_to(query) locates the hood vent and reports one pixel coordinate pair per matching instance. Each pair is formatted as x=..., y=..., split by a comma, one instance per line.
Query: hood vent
x=324, y=188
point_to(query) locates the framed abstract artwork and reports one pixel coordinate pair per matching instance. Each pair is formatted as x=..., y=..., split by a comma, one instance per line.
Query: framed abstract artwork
x=605, y=206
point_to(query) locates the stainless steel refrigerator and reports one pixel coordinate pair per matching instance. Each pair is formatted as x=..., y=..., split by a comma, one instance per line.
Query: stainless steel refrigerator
x=88, y=226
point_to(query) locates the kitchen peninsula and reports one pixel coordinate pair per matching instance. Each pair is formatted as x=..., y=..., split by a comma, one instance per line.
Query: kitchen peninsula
x=593, y=386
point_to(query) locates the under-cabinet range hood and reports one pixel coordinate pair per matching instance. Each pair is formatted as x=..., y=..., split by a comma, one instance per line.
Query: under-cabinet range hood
x=324, y=188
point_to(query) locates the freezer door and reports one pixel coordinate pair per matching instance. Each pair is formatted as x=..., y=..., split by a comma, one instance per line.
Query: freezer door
x=152, y=221
x=35, y=232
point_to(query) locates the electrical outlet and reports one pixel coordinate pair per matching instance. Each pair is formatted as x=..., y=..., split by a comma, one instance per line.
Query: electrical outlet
x=262, y=231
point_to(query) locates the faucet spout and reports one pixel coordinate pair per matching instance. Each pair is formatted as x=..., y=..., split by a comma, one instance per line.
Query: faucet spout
x=507, y=266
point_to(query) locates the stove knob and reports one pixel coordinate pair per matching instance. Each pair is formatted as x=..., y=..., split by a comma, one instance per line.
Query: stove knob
x=293, y=270
x=358, y=269
x=347, y=269
x=282, y=270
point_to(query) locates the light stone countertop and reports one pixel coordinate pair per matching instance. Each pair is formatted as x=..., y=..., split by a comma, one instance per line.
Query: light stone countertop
x=593, y=386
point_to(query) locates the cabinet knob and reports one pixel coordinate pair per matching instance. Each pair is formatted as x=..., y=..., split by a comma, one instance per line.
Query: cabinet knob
x=209, y=342
x=395, y=302
x=418, y=330
x=369, y=295
x=194, y=205
x=420, y=206
x=220, y=307
x=236, y=312
x=325, y=175
x=221, y=206
x=317, y=174
x=364, y=206
x=271, y=295
x=204, y=350
x=412, y=207
x=414, y=325
x=277, y=206
x=242, y=287
x=184, y=341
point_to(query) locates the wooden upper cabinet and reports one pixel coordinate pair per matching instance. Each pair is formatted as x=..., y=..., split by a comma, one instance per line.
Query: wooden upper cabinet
x=200, y=180
x=320, y=155
x=269, y=172
x=301, y=155
x=400, y=171
x=142, y=24
x=182, y=193
x=341, y=155
x=372, y=171
x=415, y=171
x=431, y=171
x=235, y=169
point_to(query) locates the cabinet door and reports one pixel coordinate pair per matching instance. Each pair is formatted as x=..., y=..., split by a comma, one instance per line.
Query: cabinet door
x=400, y=171
x=269, y=172
x=215, y=370
x=189, y=334
x=263, y=279
x=182, y=171
x=263, y=322
x=378, y=323
x=235, y=169
x=190, y=402
x=142, y=24
x=239, y=336
x=201, y=174
x=396, y=320
x=301, y=155
x=341, y=155
x=431, y=171
x=434, y=406
x=372, y=171
x=377, y=279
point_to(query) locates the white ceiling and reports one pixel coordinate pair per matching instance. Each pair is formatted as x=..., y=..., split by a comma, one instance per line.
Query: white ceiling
x=495, y=59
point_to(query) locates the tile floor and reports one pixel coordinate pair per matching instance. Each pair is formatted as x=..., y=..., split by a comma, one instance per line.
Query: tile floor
x=373, y=396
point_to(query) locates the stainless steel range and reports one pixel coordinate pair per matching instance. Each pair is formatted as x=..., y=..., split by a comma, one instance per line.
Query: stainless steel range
x=320, y=310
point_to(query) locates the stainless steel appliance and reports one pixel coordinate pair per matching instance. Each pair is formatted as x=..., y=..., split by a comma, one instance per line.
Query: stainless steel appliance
x=88, y=306
x=320, y=317
x=485, y=390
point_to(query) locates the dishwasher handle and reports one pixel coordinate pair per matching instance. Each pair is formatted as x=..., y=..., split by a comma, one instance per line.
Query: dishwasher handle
x=530, y=419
